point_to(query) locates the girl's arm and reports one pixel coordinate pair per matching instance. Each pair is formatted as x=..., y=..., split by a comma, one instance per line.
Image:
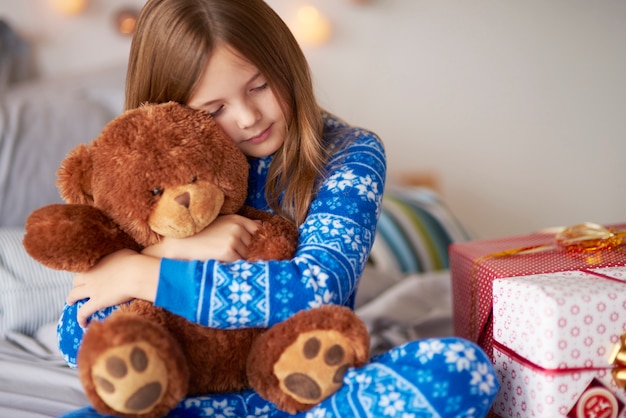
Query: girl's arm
x=126, y=275
x=335, y=241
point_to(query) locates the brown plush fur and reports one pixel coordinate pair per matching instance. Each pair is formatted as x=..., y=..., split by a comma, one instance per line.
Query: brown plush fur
x=168, y=170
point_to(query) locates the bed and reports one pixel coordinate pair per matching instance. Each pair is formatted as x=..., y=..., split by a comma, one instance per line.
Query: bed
x=404, y=293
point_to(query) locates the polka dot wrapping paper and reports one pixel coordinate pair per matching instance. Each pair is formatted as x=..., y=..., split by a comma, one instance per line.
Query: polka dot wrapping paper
x=553, y=339
x=474, y=265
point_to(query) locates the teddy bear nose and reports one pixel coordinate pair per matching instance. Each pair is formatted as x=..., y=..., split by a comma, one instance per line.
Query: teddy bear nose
x=183, y=199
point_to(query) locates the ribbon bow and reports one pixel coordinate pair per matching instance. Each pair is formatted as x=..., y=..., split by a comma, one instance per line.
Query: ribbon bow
x=589, y=237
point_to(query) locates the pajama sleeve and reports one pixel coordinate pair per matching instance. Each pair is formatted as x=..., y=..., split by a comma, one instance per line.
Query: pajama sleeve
x=334, y=244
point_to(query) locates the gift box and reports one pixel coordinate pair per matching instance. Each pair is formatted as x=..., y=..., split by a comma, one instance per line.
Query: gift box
x=554, y=344
x=474, y=265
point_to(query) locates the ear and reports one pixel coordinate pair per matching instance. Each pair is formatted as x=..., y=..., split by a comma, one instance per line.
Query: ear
x=75, y=175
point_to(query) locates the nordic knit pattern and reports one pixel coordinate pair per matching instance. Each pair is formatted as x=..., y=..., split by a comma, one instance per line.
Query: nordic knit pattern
x=440, y=377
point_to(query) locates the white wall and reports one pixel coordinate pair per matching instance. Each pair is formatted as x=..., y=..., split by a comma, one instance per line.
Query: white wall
x=520, y=106
x=71, y=44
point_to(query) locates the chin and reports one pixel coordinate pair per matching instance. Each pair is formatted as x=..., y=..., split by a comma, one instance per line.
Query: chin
x=261, y=150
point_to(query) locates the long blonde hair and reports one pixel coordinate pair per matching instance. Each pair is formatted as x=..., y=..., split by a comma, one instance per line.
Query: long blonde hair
x=168, y=53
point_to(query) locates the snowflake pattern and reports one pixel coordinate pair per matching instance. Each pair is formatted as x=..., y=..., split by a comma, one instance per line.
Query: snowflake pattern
x=461, y=356
x=263, y=412
x=483, y=379
x=240, y=292
x=239, y=316
x=429, y=349
x=238, y=295
x=220, y=410
x=317, y=413
x=368, y=188
x=314, y=278
x=391, y=403
x=341, y=181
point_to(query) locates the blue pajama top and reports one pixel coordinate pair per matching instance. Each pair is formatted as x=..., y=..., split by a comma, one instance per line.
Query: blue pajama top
x=335, y=241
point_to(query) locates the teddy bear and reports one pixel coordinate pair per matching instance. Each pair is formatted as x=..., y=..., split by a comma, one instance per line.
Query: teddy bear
x=167, y=170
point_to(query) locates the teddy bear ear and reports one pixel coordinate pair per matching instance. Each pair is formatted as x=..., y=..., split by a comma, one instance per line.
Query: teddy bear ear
x=74, y=176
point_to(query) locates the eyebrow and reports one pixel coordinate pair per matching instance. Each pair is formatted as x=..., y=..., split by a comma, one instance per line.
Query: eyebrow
x=254, y=77
x=250, y=81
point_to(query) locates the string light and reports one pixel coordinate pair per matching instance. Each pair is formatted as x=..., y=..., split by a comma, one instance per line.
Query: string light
x=69, y=7
x=125, y=21
x=311, y=27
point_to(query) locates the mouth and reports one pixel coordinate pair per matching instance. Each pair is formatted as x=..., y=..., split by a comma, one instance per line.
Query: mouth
x=257, y=139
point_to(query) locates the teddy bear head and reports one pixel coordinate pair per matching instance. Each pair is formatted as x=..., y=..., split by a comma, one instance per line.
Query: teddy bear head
x=158, y=170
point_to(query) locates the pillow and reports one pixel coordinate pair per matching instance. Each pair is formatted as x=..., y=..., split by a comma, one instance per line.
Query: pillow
x=31, y=295
x=414, y=231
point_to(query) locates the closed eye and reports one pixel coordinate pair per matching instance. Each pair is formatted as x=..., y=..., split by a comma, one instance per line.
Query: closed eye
x=216, y=112
x=261, y=87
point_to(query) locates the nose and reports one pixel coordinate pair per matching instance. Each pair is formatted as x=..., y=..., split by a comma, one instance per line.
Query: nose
x=248, y=115
x=183, y=199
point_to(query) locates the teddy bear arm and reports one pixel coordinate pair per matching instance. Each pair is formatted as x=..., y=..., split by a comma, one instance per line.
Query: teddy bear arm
x=276, y=239
x=73, y=237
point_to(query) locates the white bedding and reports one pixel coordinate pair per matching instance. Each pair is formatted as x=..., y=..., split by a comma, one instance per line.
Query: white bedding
x=34, y=381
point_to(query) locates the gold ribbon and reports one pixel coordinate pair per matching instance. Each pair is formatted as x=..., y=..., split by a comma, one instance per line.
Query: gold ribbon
x=585, y=237
x=589, y=237
x=618, y=359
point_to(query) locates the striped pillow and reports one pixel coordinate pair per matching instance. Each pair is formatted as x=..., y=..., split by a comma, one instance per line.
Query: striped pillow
x=31, y=295
x=414, y=231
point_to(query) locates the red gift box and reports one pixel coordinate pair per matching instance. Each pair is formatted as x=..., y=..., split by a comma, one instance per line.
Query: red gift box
x=475, y=264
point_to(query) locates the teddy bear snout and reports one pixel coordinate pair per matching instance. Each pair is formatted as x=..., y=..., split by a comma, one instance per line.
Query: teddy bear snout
x=183, y=199
x=186, y=210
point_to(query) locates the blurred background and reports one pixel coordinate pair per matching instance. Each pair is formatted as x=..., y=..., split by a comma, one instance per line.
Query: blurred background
x=516, y=108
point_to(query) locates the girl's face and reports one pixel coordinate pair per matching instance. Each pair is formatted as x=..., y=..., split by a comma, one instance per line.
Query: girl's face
x=241, y=102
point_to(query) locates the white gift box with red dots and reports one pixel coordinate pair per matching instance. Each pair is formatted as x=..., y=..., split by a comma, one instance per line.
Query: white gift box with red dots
x=554, y=335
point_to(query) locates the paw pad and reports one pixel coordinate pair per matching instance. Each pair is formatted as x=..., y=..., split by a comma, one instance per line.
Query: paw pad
x=130, y=378
x=312, y=368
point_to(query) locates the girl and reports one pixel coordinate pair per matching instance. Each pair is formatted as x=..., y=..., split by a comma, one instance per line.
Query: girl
x=238, y=60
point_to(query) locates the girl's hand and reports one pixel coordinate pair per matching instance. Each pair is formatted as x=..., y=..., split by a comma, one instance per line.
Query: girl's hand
x=226, y=239
x=126, y=275
x=117, y=278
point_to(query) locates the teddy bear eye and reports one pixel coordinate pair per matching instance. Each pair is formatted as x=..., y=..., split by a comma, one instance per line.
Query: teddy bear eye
x=194, y=179
x=157, y=191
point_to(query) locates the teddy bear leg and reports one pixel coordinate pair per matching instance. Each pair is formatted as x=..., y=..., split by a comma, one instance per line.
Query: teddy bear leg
x=302, y=360
x=131, y=366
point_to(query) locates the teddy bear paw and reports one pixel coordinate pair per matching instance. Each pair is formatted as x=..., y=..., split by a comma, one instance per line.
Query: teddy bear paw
x=130, y=378
x=312, y=368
